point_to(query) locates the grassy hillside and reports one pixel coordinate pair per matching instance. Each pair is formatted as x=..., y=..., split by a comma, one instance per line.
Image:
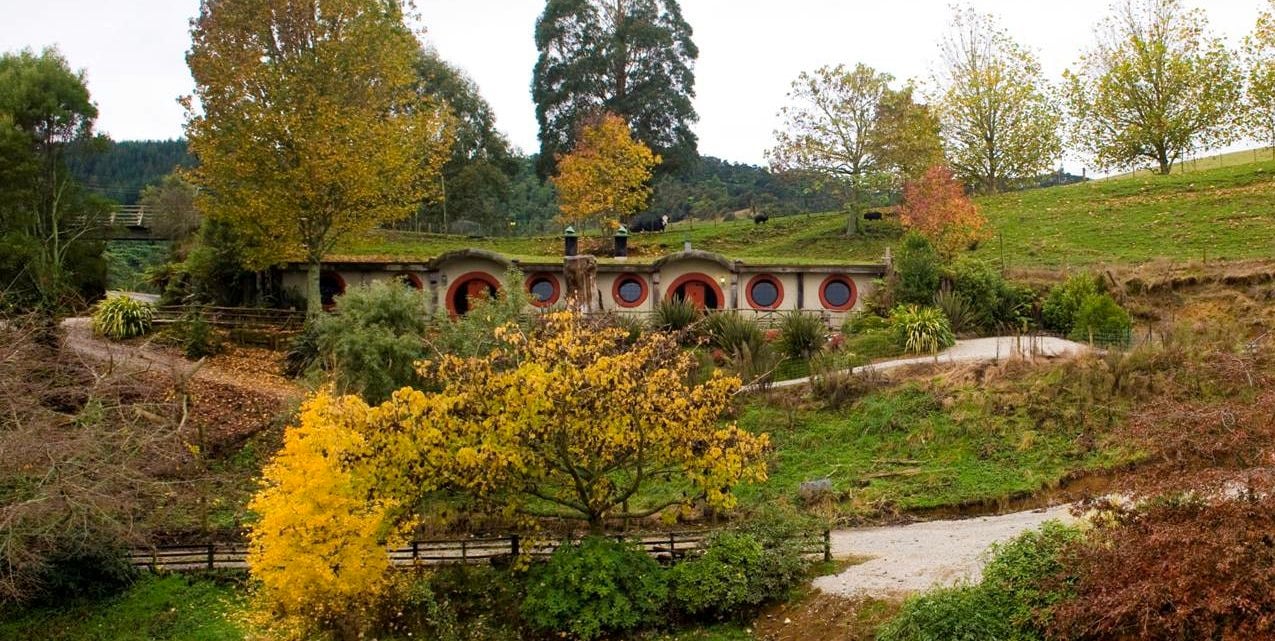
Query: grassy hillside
x=1224, y=212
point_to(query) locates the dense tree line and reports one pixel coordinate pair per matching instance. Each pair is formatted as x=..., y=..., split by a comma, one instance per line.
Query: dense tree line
x=122, y=169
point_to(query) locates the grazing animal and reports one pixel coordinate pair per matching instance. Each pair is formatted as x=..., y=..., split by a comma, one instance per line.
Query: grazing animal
x=760, y=218
x=872, y=215
x=649, y=224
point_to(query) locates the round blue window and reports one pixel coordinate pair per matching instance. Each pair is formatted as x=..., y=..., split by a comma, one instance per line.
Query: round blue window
x=764, y=293
x=630, y=291
x=542, y=290
x=837, y=293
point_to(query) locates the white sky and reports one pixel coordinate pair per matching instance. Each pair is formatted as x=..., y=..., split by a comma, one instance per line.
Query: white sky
x=750, y=50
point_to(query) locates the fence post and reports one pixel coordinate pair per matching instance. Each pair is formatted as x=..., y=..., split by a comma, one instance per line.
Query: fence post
x=464, y=553
x=211, y=547
x=827, y=545
x=672, y=545
x=513, y=545
x=416, y=552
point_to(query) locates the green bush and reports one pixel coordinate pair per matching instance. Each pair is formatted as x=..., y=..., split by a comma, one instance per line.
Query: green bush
x=597, y=588
x=196, y=336
x=864, y=323
x=918, y=271
x=997, y=302
x=921, y=330
x=473, y=334
x=303, y=351
x=801, y=335
x=1020, y=584
x=373, y=339
x=960, y=313
x=675, y=315
x=735, y=574
x=122, y=317
x=1101, y=320
x=1058, y=312
x=733, y=333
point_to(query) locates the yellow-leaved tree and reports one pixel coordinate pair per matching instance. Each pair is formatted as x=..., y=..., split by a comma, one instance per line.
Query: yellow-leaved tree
x=318, y=548
x=605, y=177
x=307, y=124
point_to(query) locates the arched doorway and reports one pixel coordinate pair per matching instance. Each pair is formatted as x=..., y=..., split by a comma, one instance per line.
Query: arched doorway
x=699, y=289
x=469, y=286
x=331, y=285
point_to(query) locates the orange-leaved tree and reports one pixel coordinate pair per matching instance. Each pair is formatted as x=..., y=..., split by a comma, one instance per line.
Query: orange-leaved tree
x=605, y=177
x=936, y=206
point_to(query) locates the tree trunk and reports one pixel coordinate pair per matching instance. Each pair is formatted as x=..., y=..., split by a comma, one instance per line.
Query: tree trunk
x=313, y=296
x=852, y=223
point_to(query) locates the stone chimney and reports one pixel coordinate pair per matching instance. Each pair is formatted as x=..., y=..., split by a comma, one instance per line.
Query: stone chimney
x=571, y=242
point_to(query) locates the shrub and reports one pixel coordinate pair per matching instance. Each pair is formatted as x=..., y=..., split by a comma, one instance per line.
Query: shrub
x=733, y=333
x=303, y=351
x=960, y=313
x=122, y=317
x=917, y=271
x=1058, y=312
x=597, y=588
x=737, y=573
x=1101, y=320
x=196, y=335
x=1020, y=586
x=474, y=333
x=996, y=301
x=374, y=338
x=801, y=335
x=921, y=330
x=864, y=323
x=675, y=315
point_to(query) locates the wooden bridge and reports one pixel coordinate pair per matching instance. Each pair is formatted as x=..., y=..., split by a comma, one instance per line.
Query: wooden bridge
x=124, y=222
x=664, y=546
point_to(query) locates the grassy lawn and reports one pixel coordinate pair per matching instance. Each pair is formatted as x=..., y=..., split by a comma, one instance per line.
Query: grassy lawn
x=916, y=447
x=170, y=608
x=1221, y=211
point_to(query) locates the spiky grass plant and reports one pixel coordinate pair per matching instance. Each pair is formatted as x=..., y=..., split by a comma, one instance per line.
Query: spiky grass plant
x=122, y=317
x=921, y=330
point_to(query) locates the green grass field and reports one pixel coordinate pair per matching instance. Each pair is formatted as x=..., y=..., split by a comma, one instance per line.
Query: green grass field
x=1223, y=211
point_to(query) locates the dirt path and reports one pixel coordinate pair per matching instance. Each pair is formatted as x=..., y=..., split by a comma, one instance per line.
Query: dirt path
x=918, y=556
x=975, y=350
x=144, y=357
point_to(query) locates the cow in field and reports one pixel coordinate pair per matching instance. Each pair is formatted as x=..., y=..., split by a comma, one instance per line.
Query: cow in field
x=760, y=218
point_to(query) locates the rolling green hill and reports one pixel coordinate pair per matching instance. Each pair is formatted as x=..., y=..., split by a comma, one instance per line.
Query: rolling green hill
x=1226, y=212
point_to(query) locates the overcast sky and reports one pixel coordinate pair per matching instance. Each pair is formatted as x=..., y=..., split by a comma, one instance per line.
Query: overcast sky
x=750, y=50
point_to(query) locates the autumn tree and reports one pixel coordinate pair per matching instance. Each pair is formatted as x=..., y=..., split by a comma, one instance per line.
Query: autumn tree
x=46, y=116
x=633, y=58
x=171, y=206
x=606, y=176
x=829, y=128
x=307, y=124
x=1259, y=68
x=907, y=140
x=936, y=206
x=1000, y=126
x=1154, y=87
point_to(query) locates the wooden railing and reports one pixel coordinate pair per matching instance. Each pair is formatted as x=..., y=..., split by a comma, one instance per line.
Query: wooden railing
x=669, y=546
x=236, y=317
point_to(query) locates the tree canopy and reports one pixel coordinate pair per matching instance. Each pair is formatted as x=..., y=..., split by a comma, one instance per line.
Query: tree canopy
x=633, y=58
x=1259, y=69
x=605, y=177
x=308, y=124
x=1000, y=127
x=1154, y=87
x=46, y=116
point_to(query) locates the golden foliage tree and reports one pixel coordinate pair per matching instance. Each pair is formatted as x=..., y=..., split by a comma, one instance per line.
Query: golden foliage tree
x=1154, y=87
x=307, y=125
x=318, y=548
x=606, y=176
x=1259, y=68
x=936, y=206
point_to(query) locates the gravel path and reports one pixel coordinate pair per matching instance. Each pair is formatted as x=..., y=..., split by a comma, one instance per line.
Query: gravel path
x=918, y=556
x=975, y=350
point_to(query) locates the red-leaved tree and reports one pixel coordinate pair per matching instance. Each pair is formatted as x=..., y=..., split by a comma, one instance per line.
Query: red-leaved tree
x=935, y=205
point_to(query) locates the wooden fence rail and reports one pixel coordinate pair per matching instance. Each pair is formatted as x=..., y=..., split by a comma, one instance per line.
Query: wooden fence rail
x=236, y=317
x=664, y=546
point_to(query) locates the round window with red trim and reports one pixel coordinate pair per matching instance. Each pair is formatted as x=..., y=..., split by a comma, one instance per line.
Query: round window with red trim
x=543, y=289
x=409, y=279
x=467, y=287
x=331, y=285
x=838, y=293
x=629, y=291
x=764, y=292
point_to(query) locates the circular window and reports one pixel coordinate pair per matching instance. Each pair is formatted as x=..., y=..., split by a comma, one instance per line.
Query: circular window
x=838, y=293
x=468, y=287
x=543, y=289
x=629, y=291
x=765, y=292
x=410, y=280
